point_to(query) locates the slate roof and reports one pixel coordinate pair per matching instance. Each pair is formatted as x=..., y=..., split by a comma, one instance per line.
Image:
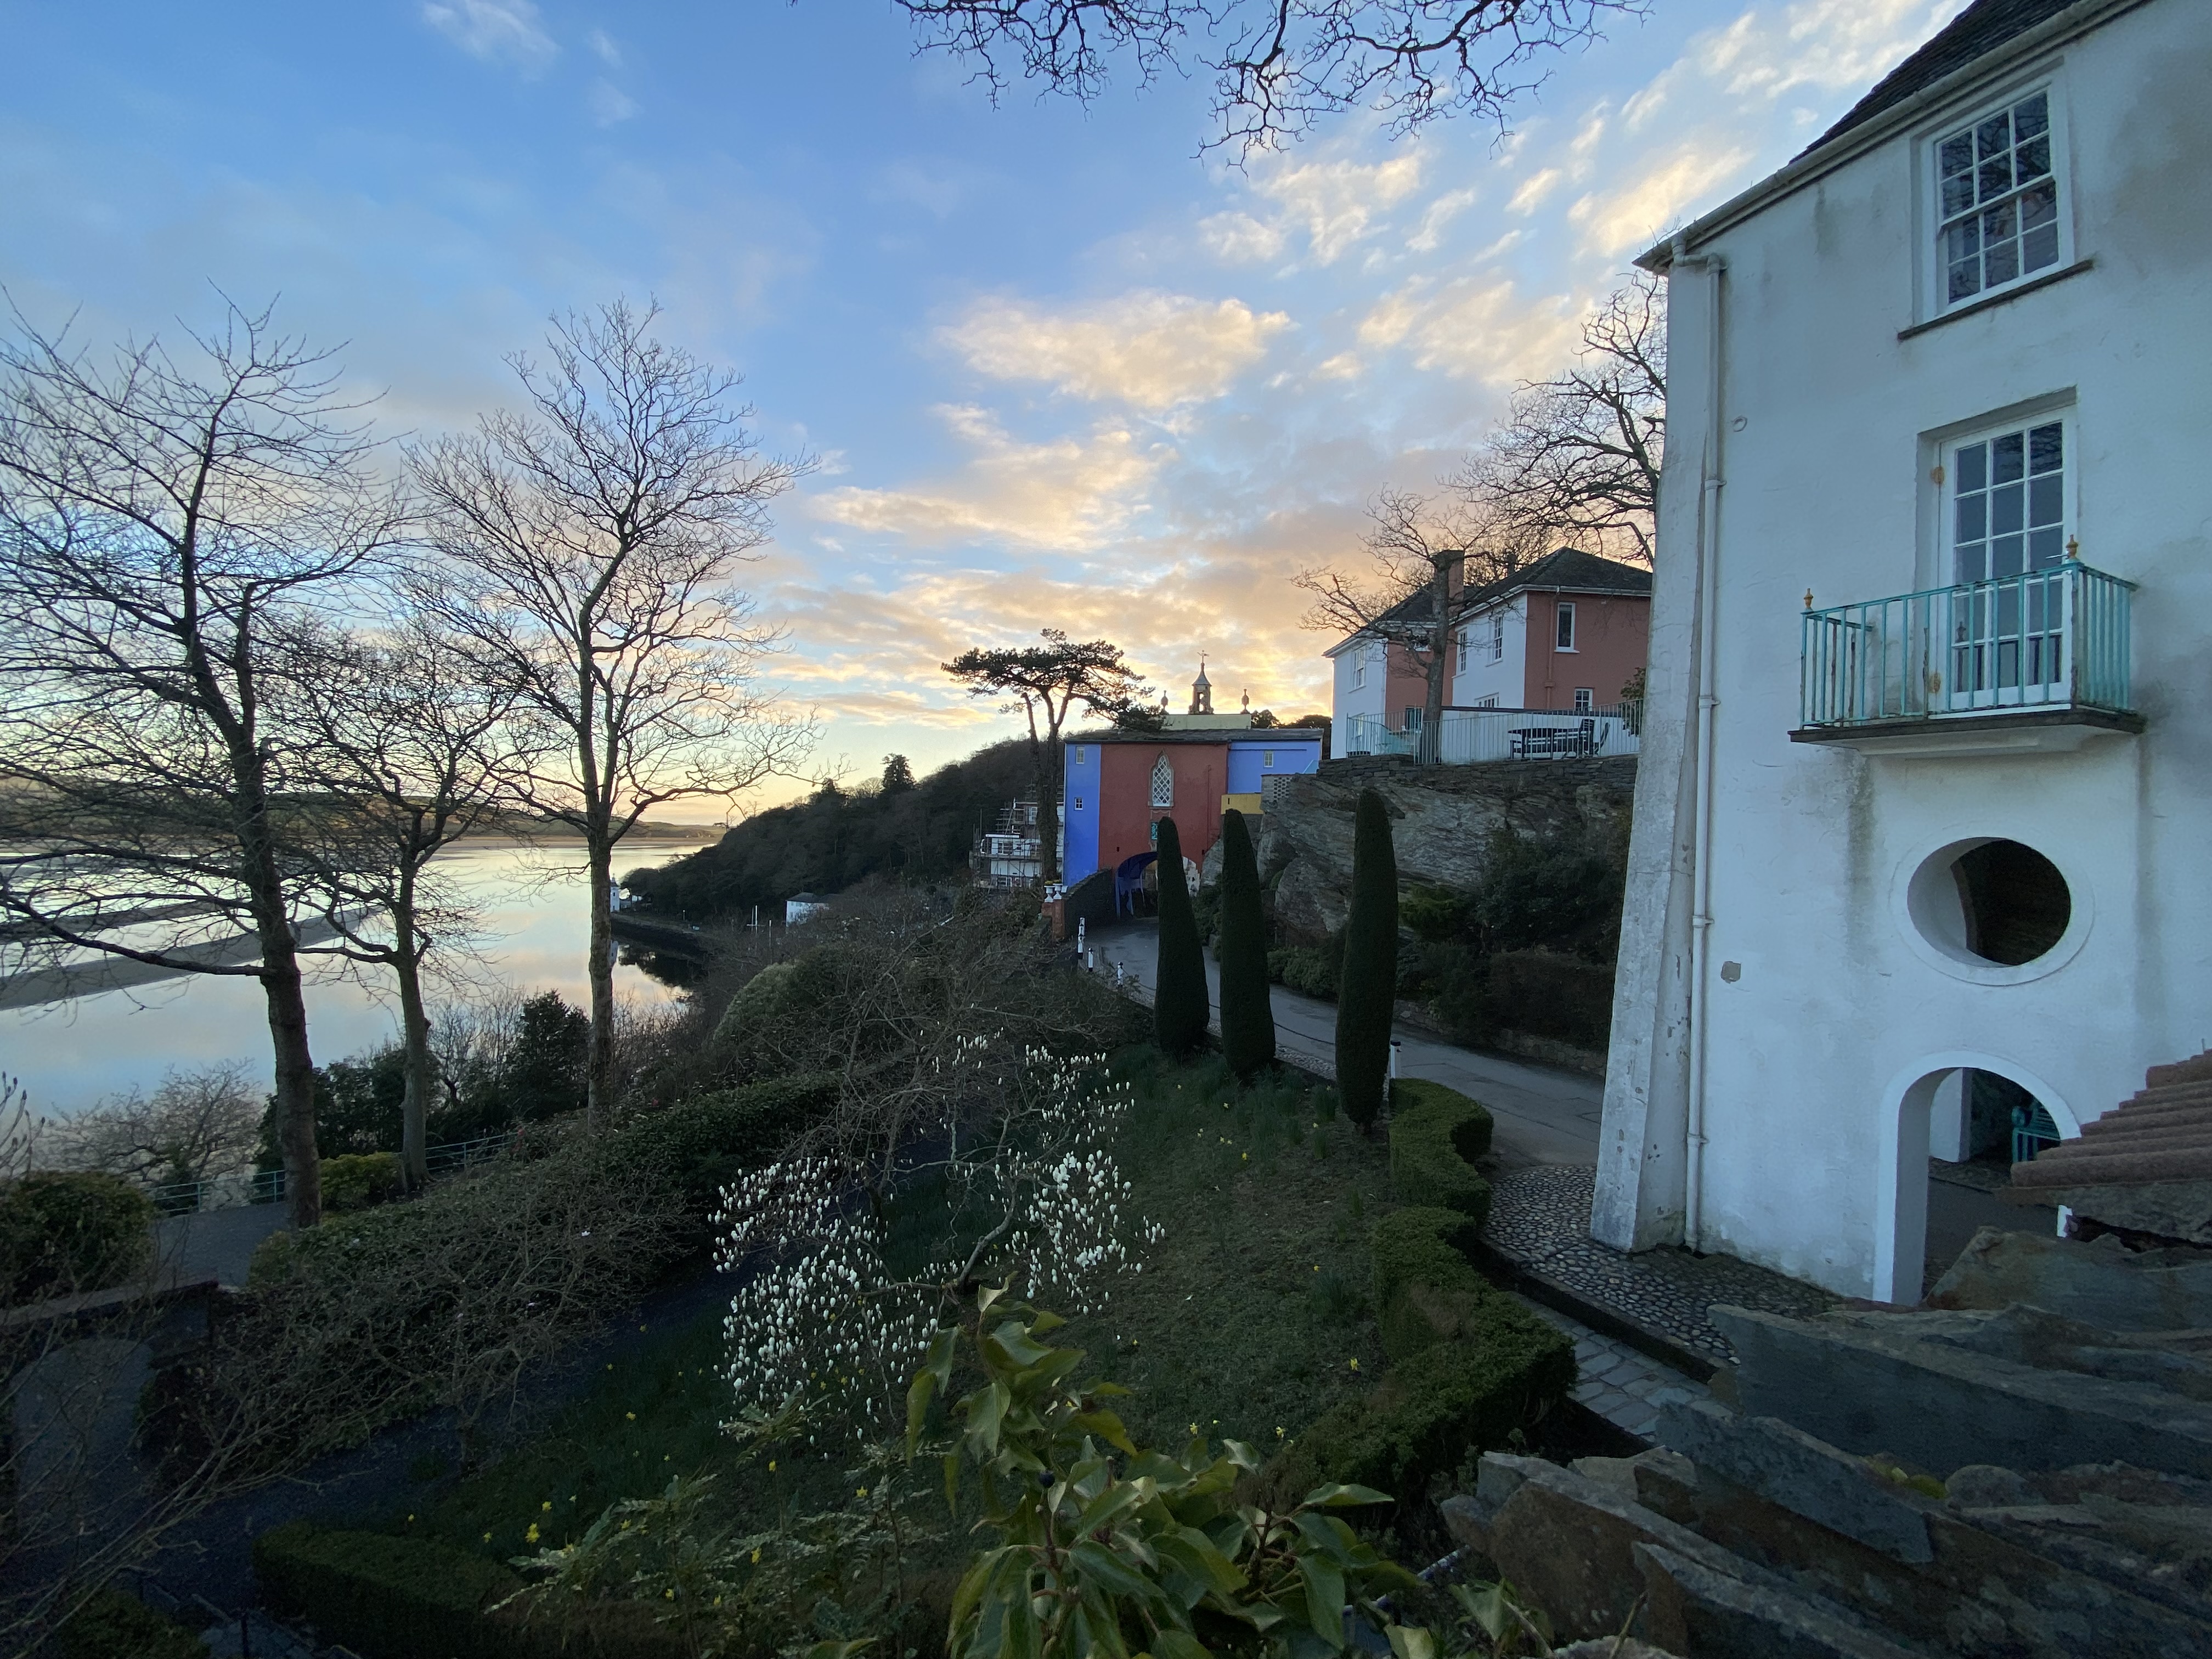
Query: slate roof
x=1563, y=570
x=1979, y=30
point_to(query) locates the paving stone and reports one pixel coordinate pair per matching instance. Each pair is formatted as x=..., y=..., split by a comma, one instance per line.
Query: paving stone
x=1539, y=1217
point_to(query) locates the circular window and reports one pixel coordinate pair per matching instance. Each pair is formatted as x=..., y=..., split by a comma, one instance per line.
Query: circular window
x=1990, y=903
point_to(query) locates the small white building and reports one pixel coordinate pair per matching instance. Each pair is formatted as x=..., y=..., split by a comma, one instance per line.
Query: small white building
x=1926, y=783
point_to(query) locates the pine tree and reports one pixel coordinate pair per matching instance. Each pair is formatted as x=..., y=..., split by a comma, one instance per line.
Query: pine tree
x=1179, y=1000
x=1366, y=998
x=1248, y=1018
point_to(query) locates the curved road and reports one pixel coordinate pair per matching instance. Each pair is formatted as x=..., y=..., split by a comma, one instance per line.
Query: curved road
x=1543, y=1115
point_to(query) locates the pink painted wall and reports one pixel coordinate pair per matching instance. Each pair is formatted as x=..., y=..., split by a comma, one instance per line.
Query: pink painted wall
x=1611, y=634
x=1125, y=813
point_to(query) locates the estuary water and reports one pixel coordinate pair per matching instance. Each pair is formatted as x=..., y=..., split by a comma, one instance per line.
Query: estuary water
x=68, y=1055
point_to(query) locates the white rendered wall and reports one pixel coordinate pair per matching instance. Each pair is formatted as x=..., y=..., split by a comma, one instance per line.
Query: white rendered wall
x=1506, y=679
x=1348, y=699
x=1838, y=1016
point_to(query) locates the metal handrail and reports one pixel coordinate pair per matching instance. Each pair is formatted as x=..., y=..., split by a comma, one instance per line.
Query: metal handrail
x=267, y=1186
x=2052, y=638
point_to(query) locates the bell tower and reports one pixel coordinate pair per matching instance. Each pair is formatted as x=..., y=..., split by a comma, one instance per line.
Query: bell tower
x=1202, y=692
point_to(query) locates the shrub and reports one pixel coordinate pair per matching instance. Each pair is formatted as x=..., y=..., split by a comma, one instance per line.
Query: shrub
x=1539, y=993
x=114, y=1624
x=759, y=999
x=1436, y=1136
x=355, y=1180
x=1248, y=1018
x=698, y=1145
x=1436, y=1409
x=1313, y=970
x=1366, y=998
x=1435, y=913
x=1424, y=1282
x=1180, y=1005
x=1554, y=891
x=393, y=1598
x=63, y=1232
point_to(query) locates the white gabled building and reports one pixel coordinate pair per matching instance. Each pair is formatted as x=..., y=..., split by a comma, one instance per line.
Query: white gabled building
x=1925, y=798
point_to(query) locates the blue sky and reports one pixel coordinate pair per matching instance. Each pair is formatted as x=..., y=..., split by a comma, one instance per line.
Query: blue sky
x=1060, y=369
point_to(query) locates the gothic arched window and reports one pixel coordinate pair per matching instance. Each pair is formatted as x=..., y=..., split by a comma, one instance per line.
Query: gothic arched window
x=1163, y=783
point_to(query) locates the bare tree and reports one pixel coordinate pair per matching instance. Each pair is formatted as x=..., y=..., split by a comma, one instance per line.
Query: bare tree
x=1423, y=554
x=194, y=1126
x=589, y=542
x=405, y=734
x=1578, y=457
x=1278, y=66
x=1046, y=682
x=160, y=523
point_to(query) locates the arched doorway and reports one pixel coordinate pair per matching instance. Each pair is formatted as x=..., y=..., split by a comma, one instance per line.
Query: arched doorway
x=1931, y=1092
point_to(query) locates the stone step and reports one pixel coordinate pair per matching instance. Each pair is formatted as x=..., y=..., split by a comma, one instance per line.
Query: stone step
x=2171, y=1094
x=2146, y=1134
x=2133, y=1112
x=2060, y=1167
x=2196, y=1069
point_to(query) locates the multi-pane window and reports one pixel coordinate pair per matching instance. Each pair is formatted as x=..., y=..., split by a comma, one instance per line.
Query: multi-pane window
x=2008, y=502
x=1565, y=637
x=1163, y=783
x=1585, y=699
x=1358, y=667
x=1999, y=199
x=1497, y=637
x=1461, y=665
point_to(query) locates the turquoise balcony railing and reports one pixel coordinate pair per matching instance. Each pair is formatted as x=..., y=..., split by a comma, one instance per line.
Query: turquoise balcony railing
x=2050, y=639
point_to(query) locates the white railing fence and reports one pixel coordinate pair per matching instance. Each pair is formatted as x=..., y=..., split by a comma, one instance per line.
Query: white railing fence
x=1469, y=737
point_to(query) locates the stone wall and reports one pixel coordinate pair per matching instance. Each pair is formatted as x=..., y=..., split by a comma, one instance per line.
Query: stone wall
x=1442, y=817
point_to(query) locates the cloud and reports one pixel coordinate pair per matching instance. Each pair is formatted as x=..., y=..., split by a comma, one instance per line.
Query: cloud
x=1338, y=203
x=603, y=48
x=1239, y=239
x=1440, y=212
x=497, y=30
x=1534, y=189
x=935, y=185
x=1471, y=327
x=609, y=105
x=1068, y=492
x=1150, y=350
x=1629, y=217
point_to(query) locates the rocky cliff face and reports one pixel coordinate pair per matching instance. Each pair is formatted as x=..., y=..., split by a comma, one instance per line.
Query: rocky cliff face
x=1442, y=817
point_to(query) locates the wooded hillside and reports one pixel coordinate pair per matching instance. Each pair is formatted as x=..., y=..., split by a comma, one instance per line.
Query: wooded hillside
x=919, y=830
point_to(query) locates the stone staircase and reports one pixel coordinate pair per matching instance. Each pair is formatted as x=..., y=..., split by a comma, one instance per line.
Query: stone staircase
x=2144, y=1167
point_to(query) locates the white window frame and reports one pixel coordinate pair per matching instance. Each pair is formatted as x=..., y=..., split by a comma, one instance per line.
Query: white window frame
x=1360, y=668
x=1490, y=702
x=1461, y=667
x=1563, y=621
x=1933, y=240
x=1585, y=699
x=1163, y=781
x=1947, y=494
x=1497, y=635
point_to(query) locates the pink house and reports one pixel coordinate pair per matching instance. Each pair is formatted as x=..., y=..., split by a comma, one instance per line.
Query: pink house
x=1565, y=633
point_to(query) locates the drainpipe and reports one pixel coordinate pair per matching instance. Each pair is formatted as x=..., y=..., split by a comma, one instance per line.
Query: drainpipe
x=1701, y=906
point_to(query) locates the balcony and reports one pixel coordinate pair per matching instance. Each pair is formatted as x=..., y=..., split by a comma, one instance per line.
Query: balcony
x=1469, y=736
x=2035, y=661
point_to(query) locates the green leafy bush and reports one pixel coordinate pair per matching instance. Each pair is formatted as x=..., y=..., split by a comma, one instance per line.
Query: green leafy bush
x=1556, y=892
x=115, y=1624
x=1248, y=1018
x=1366, y=997
x=1539, y=993
x=1436, y=1409
x=1436, y=1135
x=1180, y=1007
x=1424, y=1282
x=1435, y=913
x=63, y=1232
x=406, y=1598
x=1313, y=970
x=355, y=1180
x=699, y=1145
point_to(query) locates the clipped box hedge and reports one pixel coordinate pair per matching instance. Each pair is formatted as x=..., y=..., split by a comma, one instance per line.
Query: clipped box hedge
x=1436, y=1136
x=1421, y=1273
x=1503, y=1370
x=414, y=1598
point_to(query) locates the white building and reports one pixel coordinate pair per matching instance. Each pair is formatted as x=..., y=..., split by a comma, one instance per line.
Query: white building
x=1927, y=775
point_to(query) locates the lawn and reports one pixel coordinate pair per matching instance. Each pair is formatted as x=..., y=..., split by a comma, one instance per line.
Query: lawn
x=1250, y=1318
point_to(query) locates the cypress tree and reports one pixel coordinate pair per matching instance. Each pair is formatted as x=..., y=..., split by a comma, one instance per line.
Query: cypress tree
x=1366, y=998
x=1179, y=1000
x=1248, y=1018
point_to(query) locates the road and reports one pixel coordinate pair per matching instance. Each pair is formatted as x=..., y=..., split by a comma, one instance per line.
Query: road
x=1542, y=1116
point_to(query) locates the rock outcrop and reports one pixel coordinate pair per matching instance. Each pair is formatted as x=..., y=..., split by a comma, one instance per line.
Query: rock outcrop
x=1442, y=821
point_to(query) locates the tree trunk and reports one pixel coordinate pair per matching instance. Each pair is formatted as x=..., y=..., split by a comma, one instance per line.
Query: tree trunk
x=415, y=1040
x=281, y=987
x=599, y=1068
x=1047, y=788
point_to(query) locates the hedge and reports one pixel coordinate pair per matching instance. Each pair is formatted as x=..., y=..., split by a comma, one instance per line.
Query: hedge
x=64, y=1232
x=113, y=1624
x=1181, y=1008
x=355, y=1180
x=413, y=1598
x=1424, y=1282
x=701, y=1144
x=1538, y=992
x=1366, y=997
x=1435, y=1135
x=1437, y=1410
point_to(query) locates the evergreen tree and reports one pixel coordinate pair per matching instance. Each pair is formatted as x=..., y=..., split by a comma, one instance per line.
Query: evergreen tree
x=1248, y=1018
x=898, y=776
x=1179, y=999
x=1369, y=987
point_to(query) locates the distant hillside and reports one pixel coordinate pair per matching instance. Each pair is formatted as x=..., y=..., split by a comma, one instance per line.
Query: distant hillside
x=832, y=839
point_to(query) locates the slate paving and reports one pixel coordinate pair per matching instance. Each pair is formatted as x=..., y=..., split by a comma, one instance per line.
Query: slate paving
x=1625, y=1387
x=1539, y=1220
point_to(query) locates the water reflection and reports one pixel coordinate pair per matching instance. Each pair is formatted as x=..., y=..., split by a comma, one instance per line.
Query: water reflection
x=71, y=1054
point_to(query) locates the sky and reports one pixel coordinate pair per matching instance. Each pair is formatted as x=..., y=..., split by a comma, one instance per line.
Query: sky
x=1058, y=365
